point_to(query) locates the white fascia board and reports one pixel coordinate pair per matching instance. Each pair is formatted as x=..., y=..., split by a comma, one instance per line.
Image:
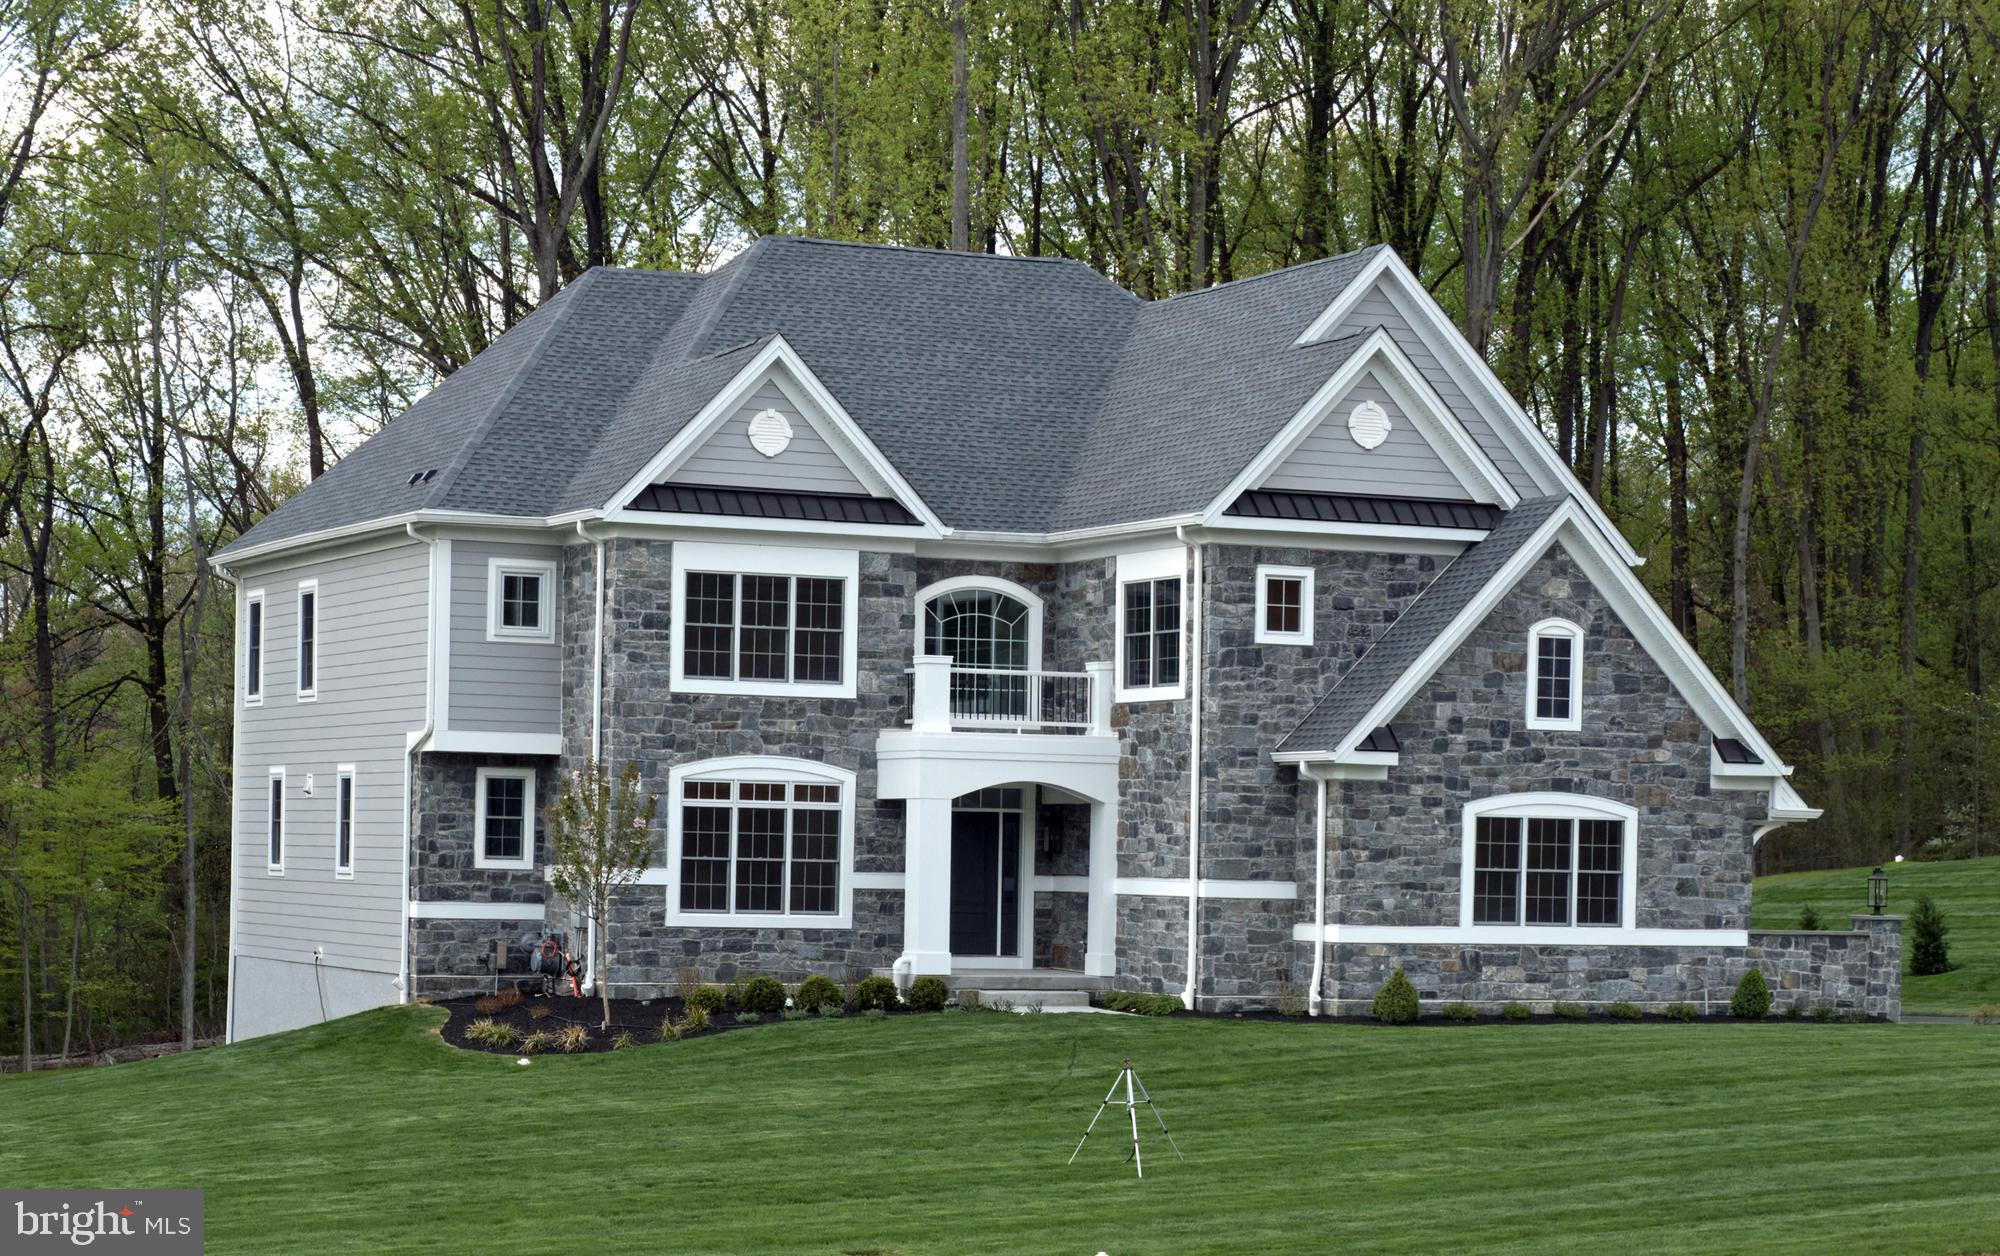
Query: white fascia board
x=873, y=466
x=467, y=741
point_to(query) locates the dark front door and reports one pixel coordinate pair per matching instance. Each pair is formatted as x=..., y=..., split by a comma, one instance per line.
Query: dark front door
x=985, y=882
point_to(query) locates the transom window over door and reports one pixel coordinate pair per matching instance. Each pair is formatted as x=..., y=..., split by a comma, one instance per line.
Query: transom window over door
x=1555, y=675
x=1551, y=861
x=761, y=842
x=764, y=620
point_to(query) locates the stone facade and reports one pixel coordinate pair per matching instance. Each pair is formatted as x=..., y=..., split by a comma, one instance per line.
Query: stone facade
x=457, y=956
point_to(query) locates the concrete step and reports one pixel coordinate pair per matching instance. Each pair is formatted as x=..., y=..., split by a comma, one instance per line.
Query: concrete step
x=1027, y=998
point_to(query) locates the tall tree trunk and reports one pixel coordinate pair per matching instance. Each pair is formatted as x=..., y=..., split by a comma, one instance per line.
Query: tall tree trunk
x=961, y=161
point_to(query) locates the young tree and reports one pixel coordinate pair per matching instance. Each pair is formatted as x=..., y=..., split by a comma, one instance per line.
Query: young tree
x=1928, y=953
x=600, y=841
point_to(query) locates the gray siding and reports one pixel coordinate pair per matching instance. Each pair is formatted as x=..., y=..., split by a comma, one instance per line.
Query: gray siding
x=808, y=465
x=373, y=639
x=1403, y=465
x=500, y=686
x=1377, y=310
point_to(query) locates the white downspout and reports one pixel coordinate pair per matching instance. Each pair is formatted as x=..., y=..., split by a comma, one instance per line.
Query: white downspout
x=405, y=977
x=596, y=723
x=1194, y=774
x=1319, y=905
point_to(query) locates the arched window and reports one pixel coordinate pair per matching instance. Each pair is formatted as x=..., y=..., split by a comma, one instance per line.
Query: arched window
x=760, y=842
x=991, y=629
x=1549, y=861
x=1555, y=675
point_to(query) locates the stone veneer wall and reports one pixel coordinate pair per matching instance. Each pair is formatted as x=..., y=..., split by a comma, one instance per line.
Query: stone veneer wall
x=1857, y=970
x=447, y=956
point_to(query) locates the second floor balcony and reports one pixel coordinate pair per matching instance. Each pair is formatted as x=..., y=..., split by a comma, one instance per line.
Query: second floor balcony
x=947, y=697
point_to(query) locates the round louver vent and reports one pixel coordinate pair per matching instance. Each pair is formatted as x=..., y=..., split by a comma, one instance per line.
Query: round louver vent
x=770, y=433
x=1368, y=425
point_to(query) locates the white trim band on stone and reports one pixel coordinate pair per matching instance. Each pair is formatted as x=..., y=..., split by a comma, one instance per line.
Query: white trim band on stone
x=438, y=909
x=1176, y=887
x=1521, y=935
x=878, y=880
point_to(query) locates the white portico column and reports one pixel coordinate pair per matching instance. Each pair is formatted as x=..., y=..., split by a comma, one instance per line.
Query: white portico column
x=1100, y=956
x=927, y=885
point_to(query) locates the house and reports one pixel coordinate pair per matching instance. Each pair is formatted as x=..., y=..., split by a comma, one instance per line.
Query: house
x=970, y=616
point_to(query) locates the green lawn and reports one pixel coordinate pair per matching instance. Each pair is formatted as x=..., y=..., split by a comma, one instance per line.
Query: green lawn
x=1967, y=889
x=948, y=1134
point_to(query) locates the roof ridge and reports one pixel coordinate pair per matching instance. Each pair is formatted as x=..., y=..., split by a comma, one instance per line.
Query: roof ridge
x=1281, y=270
x=559, y=306
x=923, y=248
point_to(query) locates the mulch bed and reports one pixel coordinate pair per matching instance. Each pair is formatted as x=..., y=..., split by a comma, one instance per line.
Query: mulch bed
x=639, y=1017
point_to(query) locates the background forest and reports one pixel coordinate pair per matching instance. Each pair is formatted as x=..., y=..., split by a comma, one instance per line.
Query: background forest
x=1737, y=256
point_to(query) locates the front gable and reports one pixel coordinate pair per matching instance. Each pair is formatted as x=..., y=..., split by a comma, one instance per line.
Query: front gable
x=772, y=441
x=1369, y=445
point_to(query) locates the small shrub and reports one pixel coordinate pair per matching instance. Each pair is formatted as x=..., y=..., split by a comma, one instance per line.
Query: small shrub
x=624, y=1040
x=509, y=996
x=706, y=998
x=1986, y=1014
x=1809, y=920
x=749, y=1018
x=1623, y=1011
x=1460, y=1012
x=694, y=1020
x=486, y=1004
x=1516, y=1012
x=1291, y=999
x=833, y=1011
x=1929, y=955
x=671, y=1030
x=875, y=1013
x=490, y=1033
x=1143, y=1004
x=796, y=1013
x=540, y=1011
x=1796, y=1011
x=1682, y=1012
x=1853, y=1016
x=572, y=1040
x=539, y=1041
x=686, y=981
x=1824, y=1015
x=1752, y=1000
x=1396, y=1002
x=874, y=993
x=1567, y=1010
x=762, y=995
x=928, y=994
x=816, y=994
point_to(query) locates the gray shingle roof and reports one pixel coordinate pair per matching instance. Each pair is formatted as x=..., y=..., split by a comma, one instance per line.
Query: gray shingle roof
x=1355, y=694
x=1014, y=394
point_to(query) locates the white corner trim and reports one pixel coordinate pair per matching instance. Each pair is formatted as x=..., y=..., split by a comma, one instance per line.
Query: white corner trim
x=1519, y=935
x=770, y=560
x=528, y=813
x=442, y=909
x=441, y=609
x=1134, y=568
x=806, y=391
x=991, y=584
x=758, y=768
x=1573, y=722
x=1266, y=635
x=497, y=568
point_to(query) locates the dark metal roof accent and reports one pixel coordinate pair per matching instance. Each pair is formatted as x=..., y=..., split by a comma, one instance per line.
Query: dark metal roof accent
x=742, y=503
x=1408, y=512
x=1730, y=750
x=1381, y=741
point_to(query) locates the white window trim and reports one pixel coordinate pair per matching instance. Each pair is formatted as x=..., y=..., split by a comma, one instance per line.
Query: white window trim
x=307, y=693
x=1556, y=628
x=479, y=857
x=343, y=775
x=496, y=569
x=991, y=584
x=277, y=790
x=739, y=768
x=255, y=597
x=1304, y=575
x=767, y=560
x=1162, y=564
x=1552, y=807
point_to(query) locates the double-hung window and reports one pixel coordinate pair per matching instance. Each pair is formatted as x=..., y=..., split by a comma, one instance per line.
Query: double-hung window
x=308, y=639
x=253, y=647
x=1555, y=675
x=1550, y=861
x=504, y=821
x=343, y=821
x=762, y=841
x=274, y=825
x=764, y=620
x=1150, y=618
x=520, y=600
x=1284, y=605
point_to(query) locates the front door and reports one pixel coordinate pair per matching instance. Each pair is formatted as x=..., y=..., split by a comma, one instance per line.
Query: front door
x=985, y=882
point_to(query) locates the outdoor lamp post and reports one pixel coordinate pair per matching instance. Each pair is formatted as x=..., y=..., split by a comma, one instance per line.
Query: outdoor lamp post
x=1878, y=892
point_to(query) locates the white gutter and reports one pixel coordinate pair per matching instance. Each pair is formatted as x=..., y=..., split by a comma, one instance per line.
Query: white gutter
x=405, y=978
x=596, y=724
x=1319, y=905
x=1194, y=776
